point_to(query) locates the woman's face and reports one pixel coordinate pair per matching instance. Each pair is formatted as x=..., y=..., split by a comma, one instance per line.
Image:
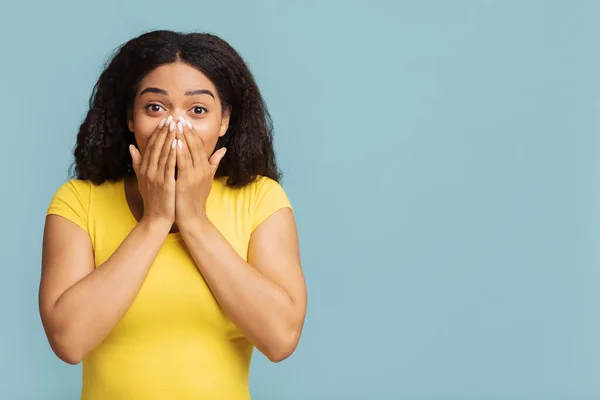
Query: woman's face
x=179, y=90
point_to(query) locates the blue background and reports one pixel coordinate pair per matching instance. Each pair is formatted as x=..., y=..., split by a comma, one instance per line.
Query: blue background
x=442, y=158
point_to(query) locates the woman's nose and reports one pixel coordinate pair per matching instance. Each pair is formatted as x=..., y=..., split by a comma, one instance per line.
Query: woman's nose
x=180, y=117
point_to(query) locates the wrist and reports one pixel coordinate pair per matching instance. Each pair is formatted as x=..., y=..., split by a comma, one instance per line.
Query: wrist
x=156, y=225
x=196, y=223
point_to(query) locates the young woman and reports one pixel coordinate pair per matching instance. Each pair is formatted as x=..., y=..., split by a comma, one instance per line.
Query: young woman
x=174, y=252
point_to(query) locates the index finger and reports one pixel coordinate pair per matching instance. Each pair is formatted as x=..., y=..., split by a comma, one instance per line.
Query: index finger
x=194, y=142
x=164, y=124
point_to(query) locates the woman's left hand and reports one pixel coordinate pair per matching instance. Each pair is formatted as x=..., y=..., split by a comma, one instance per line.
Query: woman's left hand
x=195, y=173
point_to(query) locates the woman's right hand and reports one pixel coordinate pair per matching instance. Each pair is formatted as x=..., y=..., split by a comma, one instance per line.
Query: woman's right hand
x=155, y=172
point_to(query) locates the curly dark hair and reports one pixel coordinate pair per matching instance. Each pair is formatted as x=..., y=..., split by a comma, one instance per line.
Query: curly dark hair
x=102, y=149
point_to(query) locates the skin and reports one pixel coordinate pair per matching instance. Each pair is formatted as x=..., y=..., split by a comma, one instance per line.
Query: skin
x=177, y=91
x=265, y=296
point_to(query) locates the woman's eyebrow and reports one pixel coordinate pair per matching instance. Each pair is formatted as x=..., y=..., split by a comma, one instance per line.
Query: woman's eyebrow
x=200, y=91
x=154, y=90
x=189, y=93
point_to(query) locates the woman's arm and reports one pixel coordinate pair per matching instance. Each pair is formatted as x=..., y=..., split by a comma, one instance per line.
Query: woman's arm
x=266, y=296
x=80, y=304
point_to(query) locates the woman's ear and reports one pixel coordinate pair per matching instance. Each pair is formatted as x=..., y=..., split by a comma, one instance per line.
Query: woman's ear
x=225, y=121
x=130, y=120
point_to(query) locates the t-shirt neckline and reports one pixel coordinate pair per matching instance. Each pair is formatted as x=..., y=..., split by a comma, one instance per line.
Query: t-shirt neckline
x=131, y=218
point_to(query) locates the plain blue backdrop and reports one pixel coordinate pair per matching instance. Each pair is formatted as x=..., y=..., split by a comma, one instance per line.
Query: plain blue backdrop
x=442, y=158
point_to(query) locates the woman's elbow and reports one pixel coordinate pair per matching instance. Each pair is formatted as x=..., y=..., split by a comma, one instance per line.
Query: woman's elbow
x=69, y=359
x=283, y=346
x=65, y=349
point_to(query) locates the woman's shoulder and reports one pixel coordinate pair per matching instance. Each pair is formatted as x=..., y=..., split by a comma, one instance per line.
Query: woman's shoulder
x=72, y=190
x=84, y=187
x=263, y=197
x=254, y=190
x=264, y=182
x=83, y=192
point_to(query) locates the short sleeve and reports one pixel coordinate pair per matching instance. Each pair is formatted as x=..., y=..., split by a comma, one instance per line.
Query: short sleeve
x=270, y=197
x=72, y=201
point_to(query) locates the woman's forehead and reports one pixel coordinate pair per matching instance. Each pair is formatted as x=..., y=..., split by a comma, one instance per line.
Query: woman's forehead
x=177, y=75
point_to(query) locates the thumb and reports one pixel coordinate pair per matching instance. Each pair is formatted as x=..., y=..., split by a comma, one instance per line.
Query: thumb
x=136, y=158
x=216, y=158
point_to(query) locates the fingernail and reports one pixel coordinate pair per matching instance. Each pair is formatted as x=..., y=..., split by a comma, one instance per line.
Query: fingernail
x=179, y=144
x=162, y=123
x=172, y=126
x=169, y=119
x=189, y=124
x=180, y=127
x=174, y=143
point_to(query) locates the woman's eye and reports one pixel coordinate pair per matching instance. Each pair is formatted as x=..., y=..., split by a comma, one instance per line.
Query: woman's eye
x=153, y=107
x=199, y=110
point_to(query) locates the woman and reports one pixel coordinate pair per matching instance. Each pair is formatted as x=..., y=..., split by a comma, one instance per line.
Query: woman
x=175, y=250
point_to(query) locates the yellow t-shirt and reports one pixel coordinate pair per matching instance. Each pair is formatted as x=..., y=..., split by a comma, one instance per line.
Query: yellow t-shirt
x=174, y=342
